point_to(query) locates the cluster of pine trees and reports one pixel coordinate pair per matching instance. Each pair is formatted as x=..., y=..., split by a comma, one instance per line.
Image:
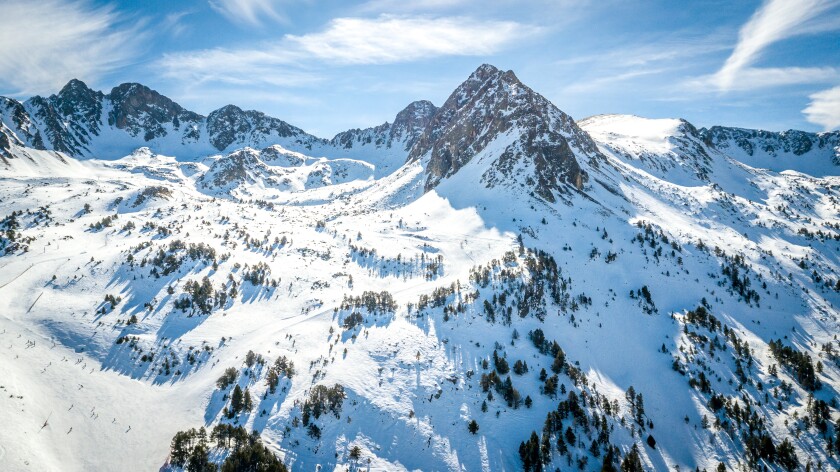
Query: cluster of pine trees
x=742, y=417
x=191, y=450
x=323, y=399
x=522, y=284
x=104, y=223
x=800, y=363
x=168, y=261
x=373, y=302
x=240, y=401
x=258, y=274
x=12, y=240
x=282, y=366
x=201, y=296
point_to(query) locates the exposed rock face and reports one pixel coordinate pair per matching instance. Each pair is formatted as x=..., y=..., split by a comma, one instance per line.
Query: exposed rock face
x=528, y=136
x=140, y=110
x=4, y=141
x=244, y=166
x=149, y=193
x=81, y=104
x=73, y=120
x=411, y=122
x=407, y=127
x=18, y=122
x=231, y=125
x=772, y=143
x=274, y=167
x=225, y=125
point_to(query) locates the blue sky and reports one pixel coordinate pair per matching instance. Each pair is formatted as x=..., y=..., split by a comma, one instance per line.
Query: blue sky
x=331, y=65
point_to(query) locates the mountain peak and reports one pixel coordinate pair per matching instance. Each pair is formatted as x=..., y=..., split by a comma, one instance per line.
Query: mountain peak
x=139, y=109
x=484, y=72
x=410, y=123
x=490, y=107
x=419, y=107
x=77, y=99
x=227, y=109
x=74, y=86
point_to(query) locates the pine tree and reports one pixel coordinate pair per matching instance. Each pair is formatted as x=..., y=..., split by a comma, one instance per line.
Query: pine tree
x=199, y=462
x=632, y=462
x=247, y=404
x=786, y=455
x=609, y=461
x=472, y=426
x=236, y=400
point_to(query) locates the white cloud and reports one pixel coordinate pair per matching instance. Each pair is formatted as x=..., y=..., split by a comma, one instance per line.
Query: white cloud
x=389, y=39
x=249, y=12
x=752, y=78
x=774, y=21
x=824, y=108
x=393, y=6
x=48, y=42
x=173, y=22
x=347, y=41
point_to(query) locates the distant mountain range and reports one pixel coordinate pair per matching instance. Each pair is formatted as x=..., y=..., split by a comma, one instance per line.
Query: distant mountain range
x=491, y=110
x=487, y=285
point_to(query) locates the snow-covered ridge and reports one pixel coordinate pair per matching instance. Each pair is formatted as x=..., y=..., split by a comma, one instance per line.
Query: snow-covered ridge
x=677, y=308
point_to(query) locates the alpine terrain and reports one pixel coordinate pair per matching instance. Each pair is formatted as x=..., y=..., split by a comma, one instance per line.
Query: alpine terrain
x=485, y=284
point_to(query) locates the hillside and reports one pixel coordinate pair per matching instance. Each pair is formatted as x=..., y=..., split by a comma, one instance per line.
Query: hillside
x=485, y=285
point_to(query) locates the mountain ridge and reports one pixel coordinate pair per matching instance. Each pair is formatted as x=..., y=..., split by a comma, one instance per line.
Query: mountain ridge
x=507, y=288
x=72, y=120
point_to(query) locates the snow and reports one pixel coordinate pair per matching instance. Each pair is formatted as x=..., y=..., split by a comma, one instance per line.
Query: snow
x=409, y=388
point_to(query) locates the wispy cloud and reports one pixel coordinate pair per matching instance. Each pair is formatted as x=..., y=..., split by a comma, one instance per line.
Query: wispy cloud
x=755, y=78
x=250, y=12
x=389, y=39
x=402, y=6
x=603, y=70
x=824, y=108
x=174, y=22
x=349, y=41
x=774, y=21
x=48, y=42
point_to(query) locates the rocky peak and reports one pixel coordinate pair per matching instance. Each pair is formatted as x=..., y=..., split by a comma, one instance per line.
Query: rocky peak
x=18, y=123
x=232, y=125
x=137, y=108
x=773, y=143
x=77, y=91
x=76, y=100
x=225, y=124
x=407, y=127
x=541, y=140
x=411, y=121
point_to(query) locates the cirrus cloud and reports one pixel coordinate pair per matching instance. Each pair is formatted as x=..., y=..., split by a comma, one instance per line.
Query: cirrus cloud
x=48, y=42
x=774, y=21
x=249, y=12
x=349, y=41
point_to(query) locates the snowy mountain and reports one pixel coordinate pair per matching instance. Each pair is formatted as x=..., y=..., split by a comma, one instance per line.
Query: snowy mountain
x=520, y=136
x=84, y=123
x=488, y=285
x=815, y=154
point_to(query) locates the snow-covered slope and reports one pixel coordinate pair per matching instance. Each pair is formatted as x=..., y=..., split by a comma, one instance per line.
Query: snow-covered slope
x=809, y=153
x=522, y=293
x=83, y=123
x=251, y=172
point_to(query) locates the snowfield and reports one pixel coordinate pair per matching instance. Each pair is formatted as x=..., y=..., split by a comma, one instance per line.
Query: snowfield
x=128, y=286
